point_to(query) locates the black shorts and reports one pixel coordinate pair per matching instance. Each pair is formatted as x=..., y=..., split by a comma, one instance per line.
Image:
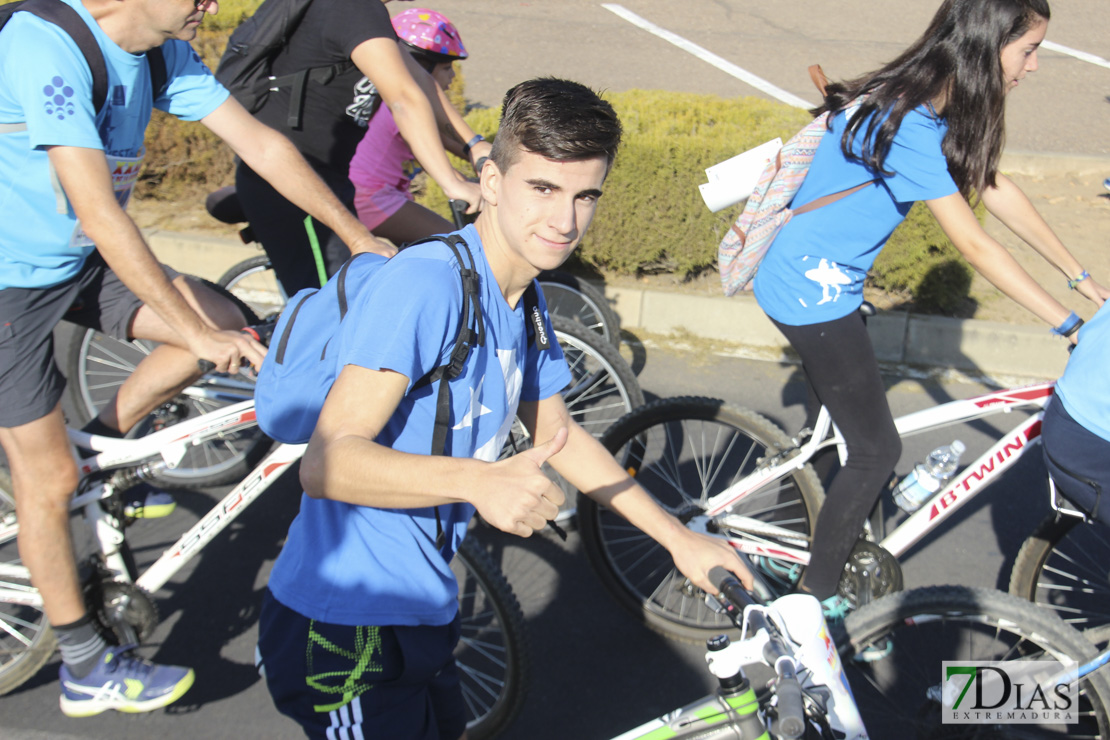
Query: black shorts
x=1076, y=459
x=30, y=382
x=373, y=682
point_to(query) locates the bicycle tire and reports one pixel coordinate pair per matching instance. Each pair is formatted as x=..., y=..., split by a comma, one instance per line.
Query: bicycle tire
x=570, y=297
x=677, y=449
x=911, y=632
x=98, y=364
x=253, y=281
x=492, y=654
x=26, y=640
x=603, y=388
x=1065, y=566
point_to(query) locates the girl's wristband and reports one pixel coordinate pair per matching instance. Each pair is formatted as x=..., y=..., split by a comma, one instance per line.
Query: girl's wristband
x=1070, y=326
x=1082, y=276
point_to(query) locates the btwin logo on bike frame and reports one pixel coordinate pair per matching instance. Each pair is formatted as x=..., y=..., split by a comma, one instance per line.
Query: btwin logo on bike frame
x=973, y=479
x=1025, y=692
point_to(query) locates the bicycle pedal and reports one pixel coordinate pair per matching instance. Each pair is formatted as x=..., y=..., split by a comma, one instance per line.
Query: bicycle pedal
x=154, y=505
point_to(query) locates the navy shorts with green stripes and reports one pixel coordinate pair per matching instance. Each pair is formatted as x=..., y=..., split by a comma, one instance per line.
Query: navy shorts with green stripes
x=338, y=681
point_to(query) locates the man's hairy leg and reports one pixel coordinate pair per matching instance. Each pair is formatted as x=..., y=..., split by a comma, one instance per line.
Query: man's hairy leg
x=44, y=476
x=170, y=367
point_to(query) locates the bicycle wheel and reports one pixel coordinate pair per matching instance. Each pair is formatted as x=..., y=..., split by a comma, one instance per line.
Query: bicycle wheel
x=904, y=637
x=602, y=389
x=683, y=451
x=571, y=298
x=1065, y=566
x=253, y=281
x=492, y=654
x=26, y=640
x=99, y=364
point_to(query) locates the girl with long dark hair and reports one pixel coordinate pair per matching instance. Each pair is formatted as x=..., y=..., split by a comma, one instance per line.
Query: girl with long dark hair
x=929, y=126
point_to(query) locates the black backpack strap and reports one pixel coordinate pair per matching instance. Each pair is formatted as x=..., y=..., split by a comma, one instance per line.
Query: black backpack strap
x=534, y=320
x=159, y=75
x=65, y=17
x=299, y=84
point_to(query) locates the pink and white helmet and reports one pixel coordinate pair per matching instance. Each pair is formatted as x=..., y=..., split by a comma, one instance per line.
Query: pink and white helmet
x=430, y=32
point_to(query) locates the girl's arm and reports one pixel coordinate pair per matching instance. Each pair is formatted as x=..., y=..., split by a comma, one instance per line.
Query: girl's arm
x=1010, y=205
x=991, y=260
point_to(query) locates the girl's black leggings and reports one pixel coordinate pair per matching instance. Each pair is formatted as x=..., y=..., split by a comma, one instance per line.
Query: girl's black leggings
x=842, y=373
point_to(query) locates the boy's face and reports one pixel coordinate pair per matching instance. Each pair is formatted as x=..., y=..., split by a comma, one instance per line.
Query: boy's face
x=543, y=206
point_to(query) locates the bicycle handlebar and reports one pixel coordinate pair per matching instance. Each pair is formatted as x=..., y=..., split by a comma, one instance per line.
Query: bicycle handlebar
x=791, y=723
x=261, y=333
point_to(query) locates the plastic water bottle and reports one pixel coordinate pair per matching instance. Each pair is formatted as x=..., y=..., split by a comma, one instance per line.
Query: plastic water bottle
x=928, y=477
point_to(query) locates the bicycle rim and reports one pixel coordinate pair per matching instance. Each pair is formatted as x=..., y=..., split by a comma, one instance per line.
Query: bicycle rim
x=908, y=635
x=1065, y=566
x=574, y=299
x=26, y=640
x=684, y=451
x=254, y=282
x=492, y=654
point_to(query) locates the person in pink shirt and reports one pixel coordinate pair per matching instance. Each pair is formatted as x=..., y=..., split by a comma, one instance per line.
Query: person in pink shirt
x=383, y=164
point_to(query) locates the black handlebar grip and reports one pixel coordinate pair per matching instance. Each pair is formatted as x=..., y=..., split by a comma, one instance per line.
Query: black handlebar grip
x=728, y=585
x=458, y=212
x=792, y=716
x=206, y=366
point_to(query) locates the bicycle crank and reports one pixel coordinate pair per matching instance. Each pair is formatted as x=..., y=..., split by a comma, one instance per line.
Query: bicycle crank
x=125, y=612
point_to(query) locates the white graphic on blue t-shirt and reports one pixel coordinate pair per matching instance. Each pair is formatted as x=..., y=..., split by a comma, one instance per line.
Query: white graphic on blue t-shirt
x=829, y=276
x=514, y=378
x=475, y=409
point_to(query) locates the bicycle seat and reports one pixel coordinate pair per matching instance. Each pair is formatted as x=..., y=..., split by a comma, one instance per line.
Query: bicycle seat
x=223, y=205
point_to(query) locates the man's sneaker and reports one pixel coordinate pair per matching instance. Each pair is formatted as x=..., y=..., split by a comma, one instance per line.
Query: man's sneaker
x=145, y=502
x=124, y=682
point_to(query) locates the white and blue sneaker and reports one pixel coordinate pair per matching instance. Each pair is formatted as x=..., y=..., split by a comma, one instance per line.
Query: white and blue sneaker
x=123, y=682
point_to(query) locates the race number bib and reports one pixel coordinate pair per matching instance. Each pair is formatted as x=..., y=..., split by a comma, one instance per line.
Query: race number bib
x=125, y=173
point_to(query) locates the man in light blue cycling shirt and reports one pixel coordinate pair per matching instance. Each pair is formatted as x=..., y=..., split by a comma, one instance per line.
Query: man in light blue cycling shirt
x=357, y=632
x=68, y=249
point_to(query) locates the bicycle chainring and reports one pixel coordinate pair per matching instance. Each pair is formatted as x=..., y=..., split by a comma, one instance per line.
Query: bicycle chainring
x=125, y=612
x=871, y=572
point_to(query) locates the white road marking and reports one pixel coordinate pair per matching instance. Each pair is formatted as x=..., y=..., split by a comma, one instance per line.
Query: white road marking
x=1052, y=46
x=708, y=57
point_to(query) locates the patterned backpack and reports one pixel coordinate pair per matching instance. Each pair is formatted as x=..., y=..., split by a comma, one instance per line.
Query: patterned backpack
x=767, y=209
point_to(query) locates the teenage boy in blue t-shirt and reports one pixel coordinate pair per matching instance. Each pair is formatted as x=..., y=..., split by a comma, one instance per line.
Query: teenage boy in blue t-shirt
x=357, y=632
x=66, y=173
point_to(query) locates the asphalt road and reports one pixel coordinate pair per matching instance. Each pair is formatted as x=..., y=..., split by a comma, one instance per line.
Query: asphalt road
x=1063, y=108
x=596, y=672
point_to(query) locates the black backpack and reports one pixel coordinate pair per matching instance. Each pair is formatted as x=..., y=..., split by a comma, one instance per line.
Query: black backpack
x=246, y=66
x=69, y=21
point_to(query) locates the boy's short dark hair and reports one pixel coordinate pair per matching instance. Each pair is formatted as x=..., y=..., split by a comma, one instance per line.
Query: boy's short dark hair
x=557, y=119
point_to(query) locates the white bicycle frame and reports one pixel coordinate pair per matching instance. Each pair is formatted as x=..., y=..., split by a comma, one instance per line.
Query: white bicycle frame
x=163, y=448
x=971, y=480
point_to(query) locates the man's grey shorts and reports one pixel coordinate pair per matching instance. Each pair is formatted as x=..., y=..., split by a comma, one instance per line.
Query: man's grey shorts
x=30, y=382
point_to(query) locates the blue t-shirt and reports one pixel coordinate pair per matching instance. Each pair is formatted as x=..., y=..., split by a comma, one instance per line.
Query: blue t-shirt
x=816, y=266
x=1083, y=388
x=357, y=565
x=51, y=90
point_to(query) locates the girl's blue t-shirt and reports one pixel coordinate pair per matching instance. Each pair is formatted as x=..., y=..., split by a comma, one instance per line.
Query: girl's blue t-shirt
x=816, y=266
x=1083, y=388
x=357, y=565
x=51, y=90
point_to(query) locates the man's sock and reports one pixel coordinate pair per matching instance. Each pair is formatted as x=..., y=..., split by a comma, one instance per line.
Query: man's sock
x=81, y=646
